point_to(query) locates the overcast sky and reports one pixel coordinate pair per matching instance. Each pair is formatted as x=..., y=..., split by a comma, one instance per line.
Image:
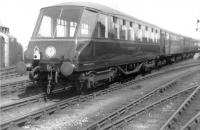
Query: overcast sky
x=179, y=16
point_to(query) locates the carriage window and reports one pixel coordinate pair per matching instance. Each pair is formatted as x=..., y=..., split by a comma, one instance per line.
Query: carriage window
x=101, y=29
x=167, y=36
x=114, y=19
x=61, y=28
x=147, y=34
x=87, y=24
x=131, y=32
x=45, y=27
x=57, y=22
x=152, y=35
x=139, y=32
x=113, y=28
x=157, y=36
x=123, y=30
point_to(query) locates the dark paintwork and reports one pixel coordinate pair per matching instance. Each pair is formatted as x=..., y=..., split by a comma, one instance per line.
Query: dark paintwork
x=64, y=49
x=103, y=53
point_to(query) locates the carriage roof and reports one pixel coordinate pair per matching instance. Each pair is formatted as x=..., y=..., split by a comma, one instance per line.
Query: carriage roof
x=108, y=10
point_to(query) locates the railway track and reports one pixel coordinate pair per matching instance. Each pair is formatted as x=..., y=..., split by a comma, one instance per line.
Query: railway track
x=20, y=86
x=163, y=91
x=11, y=88
x=23, y=119
x=29, y=100
x=9, y=72
x=189, y=108
x=193, y=123
x=36, y=98
x=123, y=121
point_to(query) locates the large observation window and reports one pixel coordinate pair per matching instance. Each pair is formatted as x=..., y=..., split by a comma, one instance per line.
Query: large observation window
x=87, y=24
x=57, y=22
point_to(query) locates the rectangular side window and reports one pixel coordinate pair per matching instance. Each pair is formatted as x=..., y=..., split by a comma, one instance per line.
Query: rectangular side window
x=131, y=32
x=139, y=32
x=110, y=27
x=101, y=29
x=147, y=34
x=123, y=30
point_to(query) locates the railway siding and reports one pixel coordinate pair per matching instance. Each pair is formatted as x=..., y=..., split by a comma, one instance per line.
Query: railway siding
x=173, y=121
x=52, y=109
x=163, y=91
x=125, y=120
x=192, y=123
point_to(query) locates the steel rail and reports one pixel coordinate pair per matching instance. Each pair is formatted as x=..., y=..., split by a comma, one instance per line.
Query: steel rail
x=192, y=122
x=11, y=88
x=14, y=87
x=61, y=105
x=129, y=118
x=10, y=75
x=9, y=72
x=179, y=112
x=34, y=99
x=123, y=110
x=52, y=109
x=30, y=100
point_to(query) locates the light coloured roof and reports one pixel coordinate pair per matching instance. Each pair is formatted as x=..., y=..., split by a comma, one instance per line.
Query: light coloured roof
x=103, y=8
x=95, y=6
x=109, y=10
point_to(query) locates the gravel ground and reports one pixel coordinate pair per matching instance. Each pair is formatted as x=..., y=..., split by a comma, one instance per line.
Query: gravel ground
x=154, y=119
x=80, y=115
x=151, y=120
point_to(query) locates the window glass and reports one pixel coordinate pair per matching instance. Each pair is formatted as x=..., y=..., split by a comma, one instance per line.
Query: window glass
x=131, y=32
x=87, y=24
x=143, y=33
x=123, y=29
x=167, y=36
x=122, y=34
x=139, y=32
x=157, y=36
x=101, y=29
x=61, y=28
x=111, y=31
x=152, y=34
x=147, y=33
x=45, y=27
x=116, y=27
x=58, y=22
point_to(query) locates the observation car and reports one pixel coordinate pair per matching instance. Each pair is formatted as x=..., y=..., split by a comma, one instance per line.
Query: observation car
x=88, y=44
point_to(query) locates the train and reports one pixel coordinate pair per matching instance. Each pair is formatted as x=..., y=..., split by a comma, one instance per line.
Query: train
x=11, y=49
x=88, y=44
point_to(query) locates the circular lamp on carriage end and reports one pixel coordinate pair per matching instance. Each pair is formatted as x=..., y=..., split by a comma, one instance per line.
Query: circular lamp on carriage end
x=66, y=68
x=50, y=51
x=21, y=68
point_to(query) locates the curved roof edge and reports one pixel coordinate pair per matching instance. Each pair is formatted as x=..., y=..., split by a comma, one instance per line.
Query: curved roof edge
x=109, y=10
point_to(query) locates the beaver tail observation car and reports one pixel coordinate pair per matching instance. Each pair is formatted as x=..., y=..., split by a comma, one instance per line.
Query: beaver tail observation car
x=88, y=44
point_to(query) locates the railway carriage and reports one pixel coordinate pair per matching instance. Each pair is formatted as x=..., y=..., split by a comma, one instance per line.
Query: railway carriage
x=89, y=44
